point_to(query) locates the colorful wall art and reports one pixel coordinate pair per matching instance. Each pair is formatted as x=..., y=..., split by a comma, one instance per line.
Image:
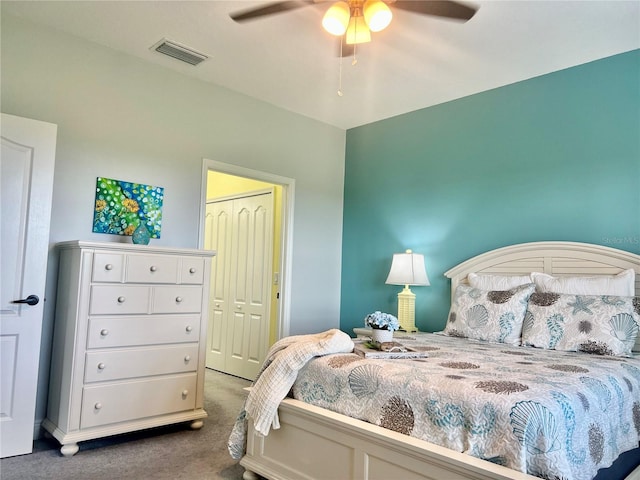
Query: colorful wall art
x=121, y=207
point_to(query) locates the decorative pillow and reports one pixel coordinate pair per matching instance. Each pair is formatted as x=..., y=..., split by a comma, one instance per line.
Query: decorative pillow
x=489, y=315
x=620, y=285
x=601, y=324
x=485, y=281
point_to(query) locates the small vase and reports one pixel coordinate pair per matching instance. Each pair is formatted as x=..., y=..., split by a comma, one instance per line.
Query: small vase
x=381, y=335
x=141, y=235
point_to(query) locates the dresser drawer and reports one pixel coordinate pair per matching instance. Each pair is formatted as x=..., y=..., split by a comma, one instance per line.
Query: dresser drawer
x=107, y=267
x=192, y=270
x=119, y=299
x=105, y=365
x=120, y=402
x=151, y=269
x=172, y=299
x=106, y=332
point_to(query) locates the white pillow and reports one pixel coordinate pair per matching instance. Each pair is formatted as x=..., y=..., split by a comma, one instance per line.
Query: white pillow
x=621, y=285
x=485, y=281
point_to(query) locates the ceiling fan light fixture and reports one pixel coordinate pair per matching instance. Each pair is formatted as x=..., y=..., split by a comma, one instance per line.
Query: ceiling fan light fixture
x=357, y=31
x=377, y=15
x=336, y=20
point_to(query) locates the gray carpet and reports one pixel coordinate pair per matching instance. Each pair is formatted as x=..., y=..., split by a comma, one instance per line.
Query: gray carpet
x=173, y=452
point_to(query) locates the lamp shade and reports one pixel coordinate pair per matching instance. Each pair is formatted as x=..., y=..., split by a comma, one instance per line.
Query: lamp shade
x=377, y=15
x=336, y=20
x=357, y=31
x=408, y=269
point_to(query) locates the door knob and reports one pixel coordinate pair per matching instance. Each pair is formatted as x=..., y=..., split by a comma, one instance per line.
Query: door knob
x=30, y=300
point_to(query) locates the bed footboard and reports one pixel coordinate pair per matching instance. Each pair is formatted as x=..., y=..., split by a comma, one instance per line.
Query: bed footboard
x=316, y=444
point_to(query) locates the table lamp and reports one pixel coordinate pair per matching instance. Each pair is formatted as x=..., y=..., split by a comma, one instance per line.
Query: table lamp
x=407, y=269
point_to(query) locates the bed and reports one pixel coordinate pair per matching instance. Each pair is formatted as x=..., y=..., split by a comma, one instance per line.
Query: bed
x=317, y=443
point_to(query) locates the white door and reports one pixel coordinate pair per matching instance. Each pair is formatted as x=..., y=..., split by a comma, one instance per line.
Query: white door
x=26, y=185
x=242, y=235
x=218, y=237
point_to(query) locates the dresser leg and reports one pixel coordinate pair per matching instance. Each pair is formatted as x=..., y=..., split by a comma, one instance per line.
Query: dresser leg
x=249, y=475
x=196, y=424
x=69, y=450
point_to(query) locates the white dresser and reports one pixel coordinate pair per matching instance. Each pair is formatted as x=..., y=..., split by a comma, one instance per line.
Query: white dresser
x=129, y=342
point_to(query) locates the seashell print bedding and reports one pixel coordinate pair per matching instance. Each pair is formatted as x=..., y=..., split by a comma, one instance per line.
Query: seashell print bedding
x=552, y=414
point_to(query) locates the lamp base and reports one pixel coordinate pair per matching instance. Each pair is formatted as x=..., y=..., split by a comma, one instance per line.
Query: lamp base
x=406, y=310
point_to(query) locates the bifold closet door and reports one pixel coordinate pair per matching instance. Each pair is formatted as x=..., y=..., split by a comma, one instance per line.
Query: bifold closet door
x=242, y=229
x=218, y=237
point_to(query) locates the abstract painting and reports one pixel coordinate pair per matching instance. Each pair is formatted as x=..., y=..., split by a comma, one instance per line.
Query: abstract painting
x=121, y=207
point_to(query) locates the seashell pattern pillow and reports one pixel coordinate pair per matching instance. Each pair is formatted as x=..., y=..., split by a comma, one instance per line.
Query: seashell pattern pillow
x=489, y=315
x=600, y=324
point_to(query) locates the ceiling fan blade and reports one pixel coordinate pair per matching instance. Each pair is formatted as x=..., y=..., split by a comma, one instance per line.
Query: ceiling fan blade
x=438, y=8
x=269, y=9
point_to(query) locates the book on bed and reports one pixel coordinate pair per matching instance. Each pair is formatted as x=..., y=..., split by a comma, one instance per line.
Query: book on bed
x=388, y=350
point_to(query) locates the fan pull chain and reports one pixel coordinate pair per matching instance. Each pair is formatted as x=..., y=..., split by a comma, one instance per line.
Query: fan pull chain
x=340, y=79
x=340, y=73
x=355, y=44
x=354, y=62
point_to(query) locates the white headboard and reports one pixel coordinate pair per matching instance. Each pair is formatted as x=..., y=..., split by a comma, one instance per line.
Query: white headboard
x=554, y=258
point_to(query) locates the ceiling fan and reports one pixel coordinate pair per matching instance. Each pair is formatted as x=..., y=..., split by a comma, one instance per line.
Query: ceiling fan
x=354, y=20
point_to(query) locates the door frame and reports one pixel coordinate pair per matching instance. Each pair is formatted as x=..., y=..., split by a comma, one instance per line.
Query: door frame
x=283, y=308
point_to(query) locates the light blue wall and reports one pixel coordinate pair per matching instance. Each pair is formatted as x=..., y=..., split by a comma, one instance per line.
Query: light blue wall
x=553, y=158
x=123, y=118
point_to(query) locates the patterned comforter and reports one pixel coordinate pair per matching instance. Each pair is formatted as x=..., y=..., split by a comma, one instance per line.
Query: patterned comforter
x=552, y=414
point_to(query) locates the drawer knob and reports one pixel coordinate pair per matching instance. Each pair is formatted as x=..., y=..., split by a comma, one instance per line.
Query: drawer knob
x=108, y=266
x=192, y=270
x=189, y=328
x=178, y=299
x=121, y=299
x=217, y=305
x=185, y=393
x=97, y=406
x=187, y=358
x=104, y=332
x=101, y=366
x=153, y=268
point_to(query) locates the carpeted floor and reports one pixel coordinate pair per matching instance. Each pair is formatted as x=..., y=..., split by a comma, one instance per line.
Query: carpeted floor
x=173, y=452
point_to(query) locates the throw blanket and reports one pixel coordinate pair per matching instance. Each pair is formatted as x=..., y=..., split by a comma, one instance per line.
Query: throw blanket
x=279, y=371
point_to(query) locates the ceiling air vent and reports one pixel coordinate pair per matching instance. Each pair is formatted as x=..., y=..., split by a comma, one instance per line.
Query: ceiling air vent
x=179, y=52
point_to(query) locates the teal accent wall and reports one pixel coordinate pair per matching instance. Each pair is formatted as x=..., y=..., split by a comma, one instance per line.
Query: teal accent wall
x=555, y=157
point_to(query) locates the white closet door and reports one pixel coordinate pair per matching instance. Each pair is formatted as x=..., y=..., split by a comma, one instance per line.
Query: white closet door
x=251, y=250
x=242, y=234
x=218, y=237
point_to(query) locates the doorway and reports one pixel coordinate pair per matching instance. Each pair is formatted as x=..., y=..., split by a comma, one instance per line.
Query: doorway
x=237, y=341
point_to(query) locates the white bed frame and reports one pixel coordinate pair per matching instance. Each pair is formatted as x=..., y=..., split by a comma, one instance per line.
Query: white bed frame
x=316, y=444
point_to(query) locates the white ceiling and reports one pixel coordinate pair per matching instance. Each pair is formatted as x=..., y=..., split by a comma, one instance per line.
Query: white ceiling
x=418, y=61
